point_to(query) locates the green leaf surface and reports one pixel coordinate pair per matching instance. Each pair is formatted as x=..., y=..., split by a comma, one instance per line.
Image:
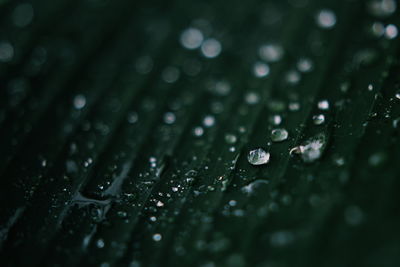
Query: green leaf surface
x=126, y=129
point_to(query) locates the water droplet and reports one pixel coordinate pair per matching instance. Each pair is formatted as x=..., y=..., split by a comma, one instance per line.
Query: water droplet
x=22, y=15
x=260, y=69
x=276, y=119
x=292, y=77
x=6, y=51
x=377, y=29
x=157, y=237
x=319, y=119
x=279, y=135
x=305, y=65
x=209, y=121
x=252, y=98
x=169, y=118
x=258, y=156
x=191, y=38
x=211, y=48
x=312, y=149
x=100, y=243
x=222, y=88
x=79, y=101
x=294, y=106
x=170, y=74
x=133, y=117
x=353, y=215
x=271, y=52
x=159, y=204
x=382, y=8
x=326, y=19
x=230, y=138
x=391, y=31
x=323, y=105
x=254, y=186
x=198, y=131
x=144, y=64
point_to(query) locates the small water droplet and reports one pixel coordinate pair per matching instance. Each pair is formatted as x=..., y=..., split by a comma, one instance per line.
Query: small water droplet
x=22, y=15
x=312, y=149
x=279, y=135
x=211, y=48
x=319, y=119
x=252, y=98
x=157, y=237
x=326, y=19
x=79, y=101
x=382, y=8
x=271, y=52
x=323, y=105
x=260, y=69
x=305, y=65
x=191, y=38
x=230, y=138
x=198, y=131
x=6, y=51
x=169, y=118
x=391, y=31
x=209, y=121
x=258, y=157
x=100, y=243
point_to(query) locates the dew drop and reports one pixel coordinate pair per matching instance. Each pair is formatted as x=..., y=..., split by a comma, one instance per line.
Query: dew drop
x=323, y=105
x=230, y=138
x=79, y=101
x=279, y=135
x=22, y=15
x=258, y=156
x=252, y=98
x=260, y=69
x=211, y=48
x=191, y=38
x=198, y=131
x=319, y=119
x=157, y=237
x=170, y=74
x=326, y=19
x=312, y=149
x=169, y=118
x=381, y=8
x=209, y=121
x=271, y=52
x=6, y=51
x=391, y=31
x=304, y=65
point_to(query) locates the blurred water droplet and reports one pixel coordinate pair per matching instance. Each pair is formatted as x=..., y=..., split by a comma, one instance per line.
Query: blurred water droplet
x=6, y=51
x=22, y=15
x=326, y=19
x=305, y=65
x=312, y=149
x=191, y=38
x=319, y=119
x=279, y=135
x=157, y=237
x=144, y=64
x=391, y=31
x=323, y=105
x=260, y=69
x=170, y=74
x=252, y=98
x=209, y=121
x=230, y=138
x=169, y=118
x=198, y=131
x=381, y=8
x=79, y=101
x=258, y=156
x=271, y=52
x=211, y=48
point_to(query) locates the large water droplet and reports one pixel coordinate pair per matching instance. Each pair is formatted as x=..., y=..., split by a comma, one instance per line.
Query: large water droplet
x=258, y=156
x=279, y=135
